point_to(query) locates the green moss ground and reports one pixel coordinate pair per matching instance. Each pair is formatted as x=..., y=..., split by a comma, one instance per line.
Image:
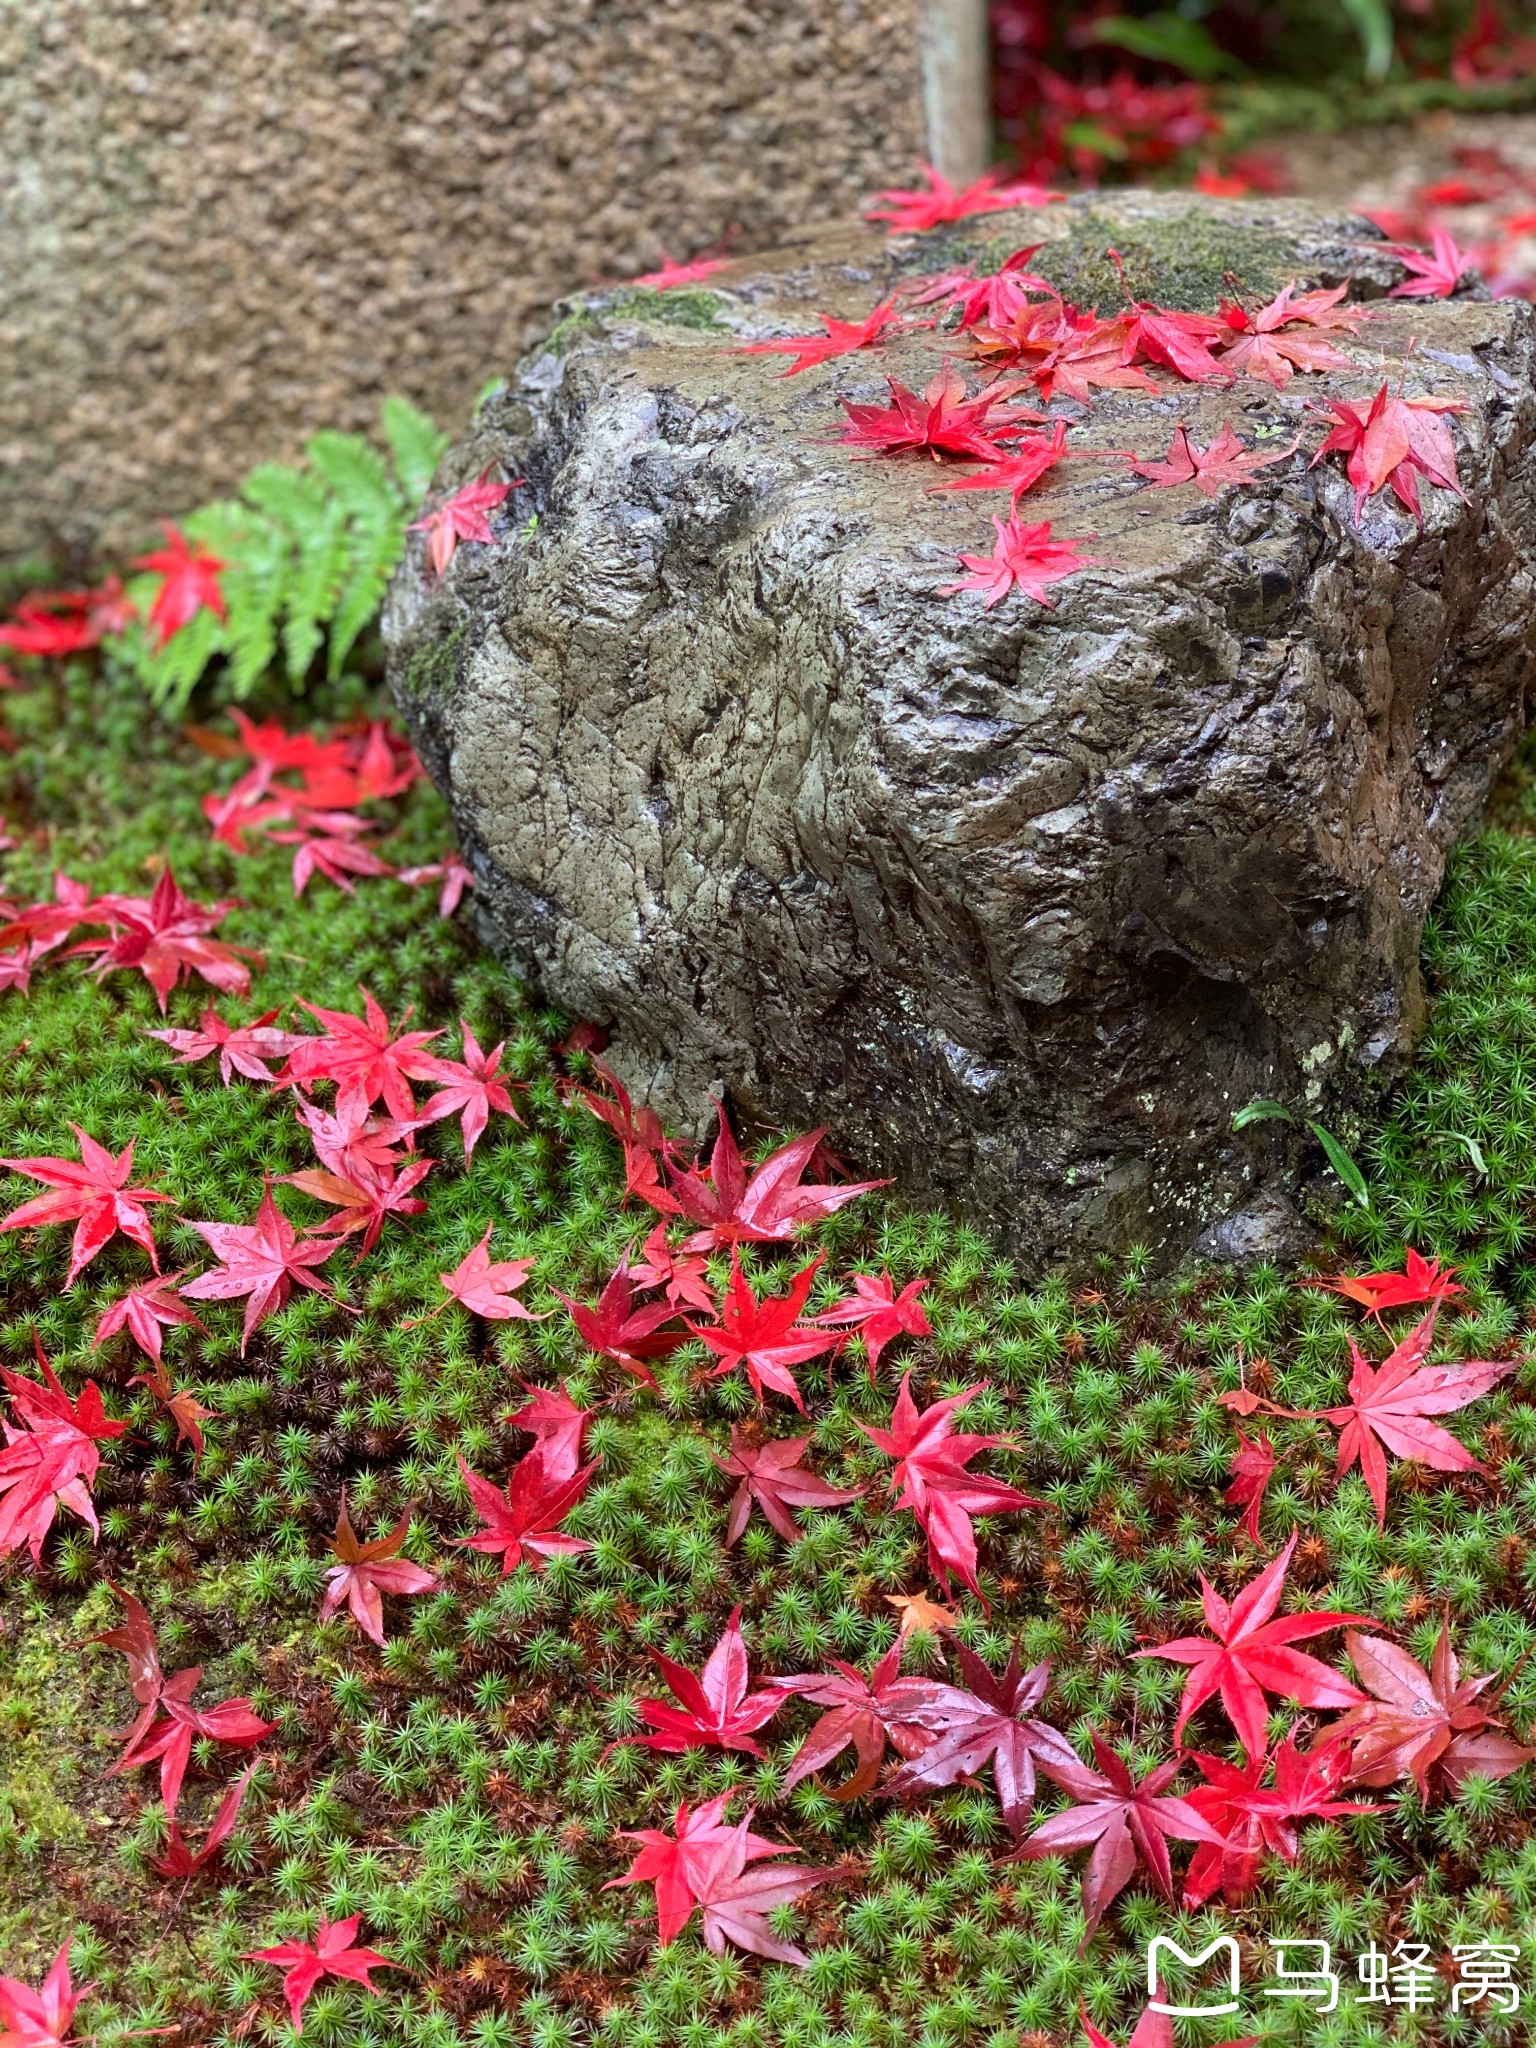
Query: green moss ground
x=453, y=1789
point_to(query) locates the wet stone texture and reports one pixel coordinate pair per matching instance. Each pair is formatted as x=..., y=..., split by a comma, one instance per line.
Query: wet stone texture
x=1023, y=904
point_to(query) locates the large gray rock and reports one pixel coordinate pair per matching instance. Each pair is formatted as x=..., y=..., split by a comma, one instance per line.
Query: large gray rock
x=1022, y=903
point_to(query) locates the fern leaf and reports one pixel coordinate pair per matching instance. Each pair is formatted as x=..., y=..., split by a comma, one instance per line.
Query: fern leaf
x=314, y=590
x=415, y=443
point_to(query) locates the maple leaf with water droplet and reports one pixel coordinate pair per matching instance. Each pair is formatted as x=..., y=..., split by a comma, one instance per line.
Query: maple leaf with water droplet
x=93, y=1194
x=1226, y=460
x=1026, y=557
x=524, y=1522
x=262, y=1261
x=461, y=517
x=364, y=1572
x=771, y=1474
x=715, y=1709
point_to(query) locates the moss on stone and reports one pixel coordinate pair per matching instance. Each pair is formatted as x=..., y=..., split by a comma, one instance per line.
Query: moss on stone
x=1183, y=264
x=685, y=307
x=433, y=667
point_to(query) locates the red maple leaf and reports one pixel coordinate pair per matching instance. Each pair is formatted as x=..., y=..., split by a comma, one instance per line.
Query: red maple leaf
x=1181, y=342
x=1252, y=1468
x=39, y=2019
x=879, y=1314
x=355, y=1143
x=1019, y=470
x=485, y=1285
x=715, y=1709
x=1390, y=1405
x=93, y=1194
x=1082, y=355
x=681, y=1274
x=640, y=1133
x=189, y=583
x=50, y=1456
x=168, y=1723
x=261, y=1261
x=143, y=1311
x=183, y=1407
x=462, y=517
x=364, y=1572
x=1024, y=555
x=165, y=936
x=361, y=1056
x=765, y=1336
x=913, y=209
x=619, y=1330
x=1421, y=1280
x=671, y=274
x=1254, y=1817
x=1154, y=2030
x=867, y=1713
x=942, y=422
x=330, y=844
x=335, y=1954
x=995, y=1721
x=1270, y=345
x=242, y=1048
x=842, y=338
x=42, y=926
x=524, y=1522
x=450, y=871
x=930, y=1478
x=52, y=623
x=1252, y=1655
x=363, y=1197
x=1226, y=460
x=1420, y=1722
x=771, y=1474
x=178, y=1860
x=704, y=1863
x=991, y=300
x=473, y=1088
x=1128, y=1822
x=556, y=1425
x=766, y=1209
x=1396, y=441
x=1435, y=276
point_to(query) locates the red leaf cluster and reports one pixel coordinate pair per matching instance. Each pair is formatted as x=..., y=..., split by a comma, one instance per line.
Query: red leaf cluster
x=50, y=1456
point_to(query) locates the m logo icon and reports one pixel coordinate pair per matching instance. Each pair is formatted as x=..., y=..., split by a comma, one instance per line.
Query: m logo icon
x=1161, y=1945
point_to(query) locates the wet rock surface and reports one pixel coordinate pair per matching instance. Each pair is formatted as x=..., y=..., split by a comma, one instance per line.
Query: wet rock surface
x=1022, y=903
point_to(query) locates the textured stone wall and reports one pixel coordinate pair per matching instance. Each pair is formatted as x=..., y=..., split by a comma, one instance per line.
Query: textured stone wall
x=224, y=223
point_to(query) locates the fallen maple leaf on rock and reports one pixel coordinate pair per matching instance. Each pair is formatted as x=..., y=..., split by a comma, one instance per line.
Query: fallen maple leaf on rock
x=242, y=1048
x=992, y=1722
x=930, y=1478
x=472, y=1088
x=364, y=1572
x=1421, y=1280
x=334, y=1954
x=942, y=422
x=1020, y=469
x=914, y=209
x=1252, y=1468
x=1273, y=343
x=38, y=2019
x=879, y=1314
x=556, y=1425
x=1396, y=441
x=178, y=1860
x=771, y=1474
x=1421, y=1722
x=770, y=1206
x=868, y=1713
x=50, y=1456
x=189, y=575
x=524, y=1522
x=1128, y=1822
x=93, y=1194
x=1254, y=1817
x=764, y=1336
x=1226, y=460
x=842, y=338
x=1025, y=556
x=261, y=1261
x=617, y=1329
x=1252, y=1655
x=671, y=275
x=1435, y=275
x=485, y=1285
x=991, y=300
x=714, y=1708
x=365, y=1060
x=165, y=936
x=461, y=517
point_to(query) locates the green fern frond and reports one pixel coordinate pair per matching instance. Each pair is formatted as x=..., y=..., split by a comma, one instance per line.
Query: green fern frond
x=415, y=443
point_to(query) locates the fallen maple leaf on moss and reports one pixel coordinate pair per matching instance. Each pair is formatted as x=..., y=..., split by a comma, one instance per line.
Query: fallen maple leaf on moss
x=1254, y=1817
x=335, y=1954
x=166, y=937
x=771, y=1474
x=1154, y=2030
x=1026, y=557
x=772, y=1205
x=765, y=1336
x=524, y=1521
x=867, y=1713
x=261, y=1261
x=471, y=1088
x=183, y=1407
x=143, y=1312
x=1420, y=1722
x=715, y=1709
x=365, y=1059
x=879, y=1314
x=675, y=1864
x=1421, y=1280
x=1253, y=1465
x=618, y=1328
x=48, y=624
x=994, y=1721
x=93, y=1194
x=706, y=1865
x=178, y=1860
x=242, y=1048
x=50, y=1456
x=364, y=1572
x=556, y=1425
x=485, y=1285
x=39, y=2019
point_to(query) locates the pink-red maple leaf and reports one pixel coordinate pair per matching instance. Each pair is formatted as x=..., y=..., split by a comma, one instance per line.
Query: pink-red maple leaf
x=1273, y=343
x=556, y=1425
x=867, y=1713
x=681, y=1275
x=485, y=1285
x=914, y=209
x=765, y=1336
x=41, y=2018
x=616, y=1328
x=189, y=575
x=143, y=1312
x=879, y=1314
x=1421, y=1280
x=261, y=1261
x=671, y=275
x=462, y=517
x=640, y=1133
x=364, y=1058
x=993, y=1722
x=335, y=1954
x=1251, y=1654
x=364, y=1572
x=930, y=1478
x=1418, y=1723
x=50, y=1456
x=771, y=1206
x=336, y=850
x=707, y=1865
x=842, y=338
x=991, y=300
x=51, y=623
x=242, y=1048
x=1436, y=274
x=1154, y=2030
x=364, y=1198
x=676, y=1864
x=1395, y=441
x=1020, y=469
x=450, y=871
x=472, y=1088
x=715, y=1708
x=524, y=1522
x=1226, y=460
x=1026, y=557
x=941, y=422
x=93, y=1194
x=1128, y=1822
x=771, y=1474
x=1252, y=1468
x=166, y=937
